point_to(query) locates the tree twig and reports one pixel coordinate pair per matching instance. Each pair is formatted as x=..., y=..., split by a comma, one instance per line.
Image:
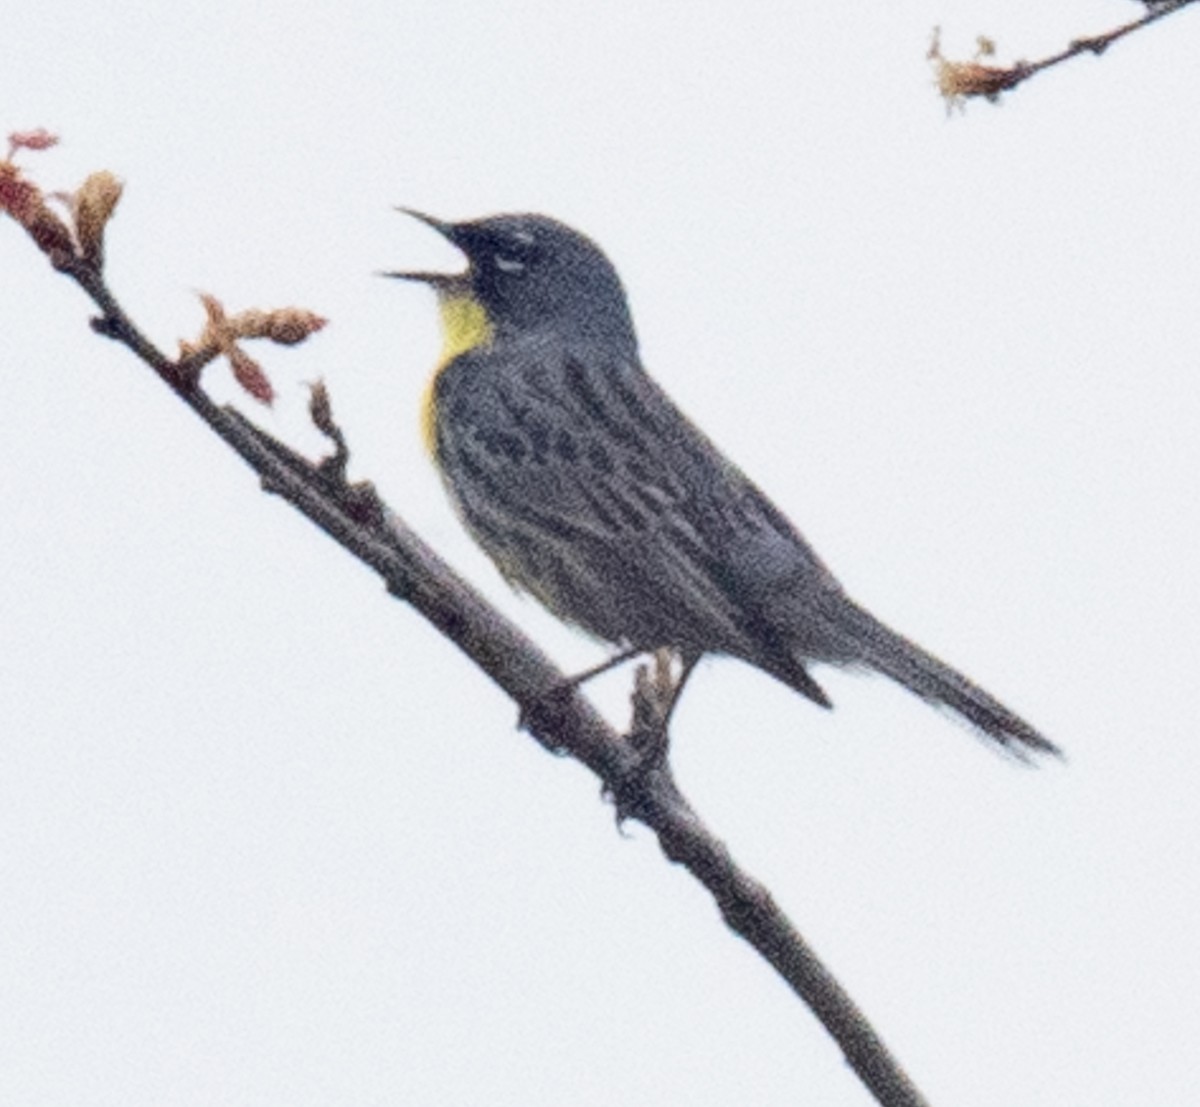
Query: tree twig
x=644, y=788
x=959, y=81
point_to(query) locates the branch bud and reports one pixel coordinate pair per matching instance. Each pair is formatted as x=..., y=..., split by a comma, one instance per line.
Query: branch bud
x=249, y=374
x=287, y=326
x=39, y=139
x=92, y=206
x=24, y=201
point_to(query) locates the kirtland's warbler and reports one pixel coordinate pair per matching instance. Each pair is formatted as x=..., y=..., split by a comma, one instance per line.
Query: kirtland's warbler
x=590, y=490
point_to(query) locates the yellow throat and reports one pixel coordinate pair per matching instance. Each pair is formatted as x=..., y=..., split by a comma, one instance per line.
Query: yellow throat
x=465, y=326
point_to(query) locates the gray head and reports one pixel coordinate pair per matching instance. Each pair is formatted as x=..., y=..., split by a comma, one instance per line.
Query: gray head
x=531, y=272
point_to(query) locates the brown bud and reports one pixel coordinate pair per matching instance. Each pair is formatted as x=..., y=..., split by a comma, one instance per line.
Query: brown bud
x=214, y=310
x=958, y=80
x=248, y=324
x=222, y=332
x=216, y=335
x=286, y=326
x=92, y=207
x=292, y=325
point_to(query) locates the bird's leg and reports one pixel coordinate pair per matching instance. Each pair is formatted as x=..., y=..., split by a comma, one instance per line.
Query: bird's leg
x=582, y=678
x=558, y=692
x=688, y=662
x=655, y=697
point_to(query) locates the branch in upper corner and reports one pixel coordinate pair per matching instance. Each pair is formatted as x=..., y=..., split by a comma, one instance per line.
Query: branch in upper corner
x=960, y=81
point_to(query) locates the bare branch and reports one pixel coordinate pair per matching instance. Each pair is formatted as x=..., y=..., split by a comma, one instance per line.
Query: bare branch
x=636, y=773
x=959, y=81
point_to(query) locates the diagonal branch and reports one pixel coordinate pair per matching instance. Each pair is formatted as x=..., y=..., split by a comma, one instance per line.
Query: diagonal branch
x=554, y=713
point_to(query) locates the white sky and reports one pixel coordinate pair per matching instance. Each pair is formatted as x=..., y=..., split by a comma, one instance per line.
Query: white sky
x=266, y=839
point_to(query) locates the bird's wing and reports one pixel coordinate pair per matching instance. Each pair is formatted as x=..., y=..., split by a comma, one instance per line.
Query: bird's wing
x=593, y=491
x=584, y=445
x=577, y=448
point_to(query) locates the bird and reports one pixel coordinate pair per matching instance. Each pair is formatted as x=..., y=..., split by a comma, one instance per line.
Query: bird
x=592, y=492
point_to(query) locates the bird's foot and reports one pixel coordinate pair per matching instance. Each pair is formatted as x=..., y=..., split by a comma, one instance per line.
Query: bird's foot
x=656, y=691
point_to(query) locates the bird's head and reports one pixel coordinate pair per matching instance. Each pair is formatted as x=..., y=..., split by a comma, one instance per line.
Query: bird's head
x=530, y=273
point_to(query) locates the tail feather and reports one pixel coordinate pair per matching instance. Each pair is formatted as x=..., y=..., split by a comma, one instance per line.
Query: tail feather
x=935, y=682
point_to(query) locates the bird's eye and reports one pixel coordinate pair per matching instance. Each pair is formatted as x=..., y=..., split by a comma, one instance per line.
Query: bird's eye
x=508, y=264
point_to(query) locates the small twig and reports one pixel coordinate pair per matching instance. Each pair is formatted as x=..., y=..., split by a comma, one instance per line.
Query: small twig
x=960, y=81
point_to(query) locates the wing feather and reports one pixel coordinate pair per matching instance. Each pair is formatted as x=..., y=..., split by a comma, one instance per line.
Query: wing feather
x=591, y=490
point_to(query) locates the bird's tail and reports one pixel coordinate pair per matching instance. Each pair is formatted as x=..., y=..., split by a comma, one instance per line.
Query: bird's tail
x=881, y=648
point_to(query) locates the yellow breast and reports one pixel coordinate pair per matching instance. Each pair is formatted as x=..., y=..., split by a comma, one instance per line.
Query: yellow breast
x=465, y=326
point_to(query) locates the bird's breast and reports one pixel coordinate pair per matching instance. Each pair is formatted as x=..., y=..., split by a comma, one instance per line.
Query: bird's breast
x=465, y=327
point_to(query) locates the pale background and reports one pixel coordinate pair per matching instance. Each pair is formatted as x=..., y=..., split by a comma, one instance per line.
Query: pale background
x=266, y=839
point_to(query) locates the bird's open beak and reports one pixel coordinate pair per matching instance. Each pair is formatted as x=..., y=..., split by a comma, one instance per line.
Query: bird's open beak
x=448, y=231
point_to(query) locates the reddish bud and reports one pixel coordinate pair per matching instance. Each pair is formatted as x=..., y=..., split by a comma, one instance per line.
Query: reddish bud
x=39, y=139
x=320, y=410
x=249, y=374
x=24, y=201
